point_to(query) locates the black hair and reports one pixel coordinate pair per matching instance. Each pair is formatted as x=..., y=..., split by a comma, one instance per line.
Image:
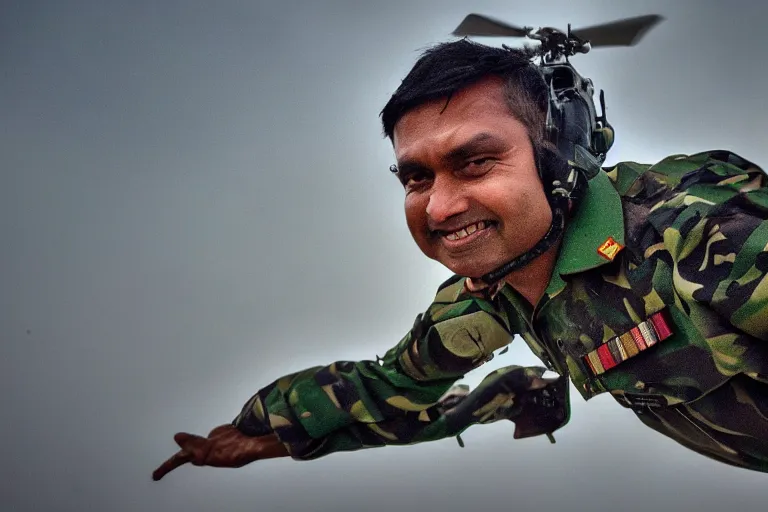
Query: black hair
x=446, y=68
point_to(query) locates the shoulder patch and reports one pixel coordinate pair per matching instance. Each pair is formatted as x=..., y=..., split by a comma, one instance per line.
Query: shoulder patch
x=609, y=249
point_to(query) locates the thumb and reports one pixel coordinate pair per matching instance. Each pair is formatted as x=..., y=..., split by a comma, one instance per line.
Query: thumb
x=196, y=446
x=183, y=439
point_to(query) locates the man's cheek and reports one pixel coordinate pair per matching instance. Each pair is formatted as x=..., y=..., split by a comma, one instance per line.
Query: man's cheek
x=415, y=217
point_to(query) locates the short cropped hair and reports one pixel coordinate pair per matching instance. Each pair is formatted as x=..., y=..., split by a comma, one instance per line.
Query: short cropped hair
x=446, y=68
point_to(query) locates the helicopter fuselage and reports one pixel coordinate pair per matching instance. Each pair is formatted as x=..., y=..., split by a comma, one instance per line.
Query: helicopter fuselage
x=572, y=118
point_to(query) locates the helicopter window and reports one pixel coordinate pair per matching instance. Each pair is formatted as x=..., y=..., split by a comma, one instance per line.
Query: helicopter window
x=562, y=78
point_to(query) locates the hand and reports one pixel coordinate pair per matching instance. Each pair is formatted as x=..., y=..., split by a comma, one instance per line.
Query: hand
x=225, y=447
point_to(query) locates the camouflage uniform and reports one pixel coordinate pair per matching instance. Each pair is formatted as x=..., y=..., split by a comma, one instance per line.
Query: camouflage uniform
x=659, y=297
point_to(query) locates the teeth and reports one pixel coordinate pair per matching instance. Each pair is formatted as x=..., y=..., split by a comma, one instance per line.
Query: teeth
x=458, y=235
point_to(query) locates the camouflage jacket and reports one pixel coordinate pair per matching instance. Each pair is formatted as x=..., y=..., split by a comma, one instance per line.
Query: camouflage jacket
x=659, y=297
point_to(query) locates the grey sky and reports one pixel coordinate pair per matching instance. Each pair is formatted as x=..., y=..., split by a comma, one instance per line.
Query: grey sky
x=194, y=200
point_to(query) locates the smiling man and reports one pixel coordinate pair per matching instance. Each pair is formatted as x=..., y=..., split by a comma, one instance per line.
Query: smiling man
x=473, y=197
x=648, y=282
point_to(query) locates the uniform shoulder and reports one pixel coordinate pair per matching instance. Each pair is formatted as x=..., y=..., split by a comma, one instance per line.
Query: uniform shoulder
x=681, y=172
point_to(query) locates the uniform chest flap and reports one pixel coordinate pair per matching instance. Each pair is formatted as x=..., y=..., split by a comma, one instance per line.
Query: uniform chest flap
x=638, y=345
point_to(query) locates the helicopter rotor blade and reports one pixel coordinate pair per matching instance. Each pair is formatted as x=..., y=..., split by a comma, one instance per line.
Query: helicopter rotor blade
x=479, y=25
x=626, y=32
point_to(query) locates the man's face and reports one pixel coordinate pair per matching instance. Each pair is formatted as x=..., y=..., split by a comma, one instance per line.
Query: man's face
x=473, y=196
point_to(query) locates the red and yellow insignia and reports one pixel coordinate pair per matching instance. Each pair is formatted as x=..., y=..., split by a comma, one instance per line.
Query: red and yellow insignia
x=609, y=249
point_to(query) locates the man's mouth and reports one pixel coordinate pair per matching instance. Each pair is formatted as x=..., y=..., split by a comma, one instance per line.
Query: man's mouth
x=467, y=232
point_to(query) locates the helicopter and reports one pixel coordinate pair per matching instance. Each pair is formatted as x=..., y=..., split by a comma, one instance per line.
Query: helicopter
x=572, y=121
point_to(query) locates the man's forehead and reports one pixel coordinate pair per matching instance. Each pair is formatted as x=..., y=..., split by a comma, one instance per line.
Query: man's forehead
x=480, y=107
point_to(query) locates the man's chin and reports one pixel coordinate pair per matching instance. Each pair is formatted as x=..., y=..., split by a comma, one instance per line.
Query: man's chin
x=474, y=270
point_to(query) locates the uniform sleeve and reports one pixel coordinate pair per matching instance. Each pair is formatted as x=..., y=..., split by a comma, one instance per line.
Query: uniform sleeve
x=718, y=241
x=522, y=395
x=456, y=334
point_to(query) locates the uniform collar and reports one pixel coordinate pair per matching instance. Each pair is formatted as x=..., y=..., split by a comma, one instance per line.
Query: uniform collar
x=598, y=219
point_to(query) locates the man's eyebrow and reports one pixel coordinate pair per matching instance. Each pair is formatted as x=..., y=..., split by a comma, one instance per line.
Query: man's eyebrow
x=480, y=142
x=410, y=167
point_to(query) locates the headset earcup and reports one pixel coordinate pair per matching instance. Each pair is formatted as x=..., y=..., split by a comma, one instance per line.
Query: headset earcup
x=551, y=165
x=556, y=172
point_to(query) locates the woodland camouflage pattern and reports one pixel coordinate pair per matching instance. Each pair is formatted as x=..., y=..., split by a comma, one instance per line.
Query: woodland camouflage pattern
x=693, y=233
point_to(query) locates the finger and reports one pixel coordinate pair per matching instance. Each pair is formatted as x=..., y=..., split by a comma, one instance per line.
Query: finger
x=178, y=459
x=196, y=445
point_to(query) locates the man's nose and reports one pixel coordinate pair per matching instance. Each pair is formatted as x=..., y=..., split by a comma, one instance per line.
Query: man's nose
x=445, y=201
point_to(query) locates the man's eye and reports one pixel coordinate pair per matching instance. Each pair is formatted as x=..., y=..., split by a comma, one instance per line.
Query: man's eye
x=415, y=178
x=480, y=164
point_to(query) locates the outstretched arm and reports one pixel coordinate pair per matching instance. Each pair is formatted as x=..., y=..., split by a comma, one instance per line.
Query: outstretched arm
x=291, y=416
x=537, y=404
x=458, y=332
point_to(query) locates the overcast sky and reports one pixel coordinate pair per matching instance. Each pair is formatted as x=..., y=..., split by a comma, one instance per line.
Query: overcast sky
x=194, y=201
